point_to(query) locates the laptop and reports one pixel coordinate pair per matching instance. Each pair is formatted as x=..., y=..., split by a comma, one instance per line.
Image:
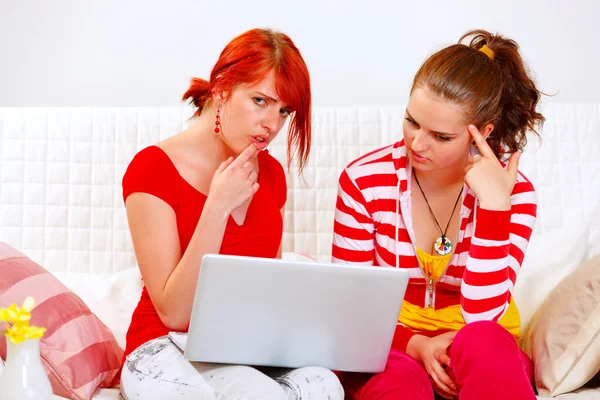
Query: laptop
x=281, y=313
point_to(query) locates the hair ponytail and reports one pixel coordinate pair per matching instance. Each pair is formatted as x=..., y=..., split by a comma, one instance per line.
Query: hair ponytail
x=197, y=94
x=489, y=79
x=519, y=97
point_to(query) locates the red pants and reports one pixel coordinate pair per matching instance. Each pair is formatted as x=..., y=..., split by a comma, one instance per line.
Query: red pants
x=486, y=363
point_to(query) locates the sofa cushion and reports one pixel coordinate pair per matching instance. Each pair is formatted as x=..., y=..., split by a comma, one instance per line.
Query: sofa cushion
x=563, y=338
x=111, y=298
x=79, y=353
x=550, y=257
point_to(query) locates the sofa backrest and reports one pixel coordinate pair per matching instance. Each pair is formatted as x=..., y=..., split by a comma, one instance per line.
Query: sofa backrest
x=61, y=169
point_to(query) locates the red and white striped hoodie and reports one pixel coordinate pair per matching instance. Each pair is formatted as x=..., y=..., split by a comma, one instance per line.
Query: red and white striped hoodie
x=374, y=199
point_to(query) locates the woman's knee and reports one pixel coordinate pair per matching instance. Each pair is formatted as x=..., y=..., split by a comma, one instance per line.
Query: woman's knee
x=240, y=382
x=481, y=328
x=483, y=337
x=311, y=383
x=485, y=350
x=157, y=370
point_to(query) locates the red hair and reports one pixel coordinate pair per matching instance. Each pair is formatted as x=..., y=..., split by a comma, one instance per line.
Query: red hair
x=248, y=59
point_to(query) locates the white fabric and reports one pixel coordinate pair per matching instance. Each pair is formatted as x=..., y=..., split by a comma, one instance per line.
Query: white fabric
x=61, y=199
x=550, y=257
x=61, y=170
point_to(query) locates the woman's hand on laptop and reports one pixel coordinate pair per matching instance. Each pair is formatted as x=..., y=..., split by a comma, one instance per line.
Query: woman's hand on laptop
x=432, y=353
x=235, y=181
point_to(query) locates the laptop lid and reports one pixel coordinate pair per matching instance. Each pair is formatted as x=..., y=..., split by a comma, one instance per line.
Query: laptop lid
x=280, y=313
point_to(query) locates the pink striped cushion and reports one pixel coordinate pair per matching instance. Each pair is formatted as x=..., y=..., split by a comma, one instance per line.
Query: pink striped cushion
x=79, y=352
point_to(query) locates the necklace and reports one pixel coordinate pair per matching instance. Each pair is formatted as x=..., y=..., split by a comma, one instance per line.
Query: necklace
x=442, y=245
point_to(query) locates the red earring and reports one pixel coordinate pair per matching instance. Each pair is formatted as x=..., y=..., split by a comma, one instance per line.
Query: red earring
x=218, y=120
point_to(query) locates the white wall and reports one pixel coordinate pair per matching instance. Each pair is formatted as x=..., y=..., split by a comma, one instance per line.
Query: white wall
x=142, y=53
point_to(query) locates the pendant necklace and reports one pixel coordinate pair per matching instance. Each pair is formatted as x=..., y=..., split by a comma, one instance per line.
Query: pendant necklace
x=442, y=245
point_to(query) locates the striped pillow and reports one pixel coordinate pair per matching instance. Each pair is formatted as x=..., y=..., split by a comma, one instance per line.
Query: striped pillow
x=80, y=354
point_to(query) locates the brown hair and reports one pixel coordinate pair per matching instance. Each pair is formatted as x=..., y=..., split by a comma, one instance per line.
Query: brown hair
x=247, y=59
x=491, y=87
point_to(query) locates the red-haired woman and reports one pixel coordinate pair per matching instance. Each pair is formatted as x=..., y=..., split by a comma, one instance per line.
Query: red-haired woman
x=214, y=188
x=448, y=204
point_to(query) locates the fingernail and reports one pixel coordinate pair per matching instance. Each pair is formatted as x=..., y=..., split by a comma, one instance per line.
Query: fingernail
x=471, y=127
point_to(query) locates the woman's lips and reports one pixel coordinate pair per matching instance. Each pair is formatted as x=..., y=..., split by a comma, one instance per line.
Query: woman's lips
x=260, y=142
x=418, y=158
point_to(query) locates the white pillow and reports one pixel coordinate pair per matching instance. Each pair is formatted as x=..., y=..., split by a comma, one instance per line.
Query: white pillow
x=549, y=258
x=111, y=298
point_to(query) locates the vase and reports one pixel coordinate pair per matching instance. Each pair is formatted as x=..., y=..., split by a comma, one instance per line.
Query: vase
x=24, y=377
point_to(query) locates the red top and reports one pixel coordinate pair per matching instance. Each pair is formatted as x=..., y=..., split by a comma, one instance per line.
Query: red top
x=152, y=171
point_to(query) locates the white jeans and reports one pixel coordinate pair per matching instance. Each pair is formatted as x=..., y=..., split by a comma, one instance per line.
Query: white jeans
x=157, y=371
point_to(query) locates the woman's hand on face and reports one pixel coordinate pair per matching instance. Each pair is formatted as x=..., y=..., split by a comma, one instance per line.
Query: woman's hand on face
x=234, y=182
x=491, y=183
x=432, y=353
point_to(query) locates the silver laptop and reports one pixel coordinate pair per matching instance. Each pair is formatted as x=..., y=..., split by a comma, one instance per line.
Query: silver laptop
x=279, y=313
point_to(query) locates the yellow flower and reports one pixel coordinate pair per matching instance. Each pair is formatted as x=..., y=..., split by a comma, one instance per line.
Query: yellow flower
x=18, y=334
x=5, y=315
x=18, y=320
x=14, y=314
x=34, y=332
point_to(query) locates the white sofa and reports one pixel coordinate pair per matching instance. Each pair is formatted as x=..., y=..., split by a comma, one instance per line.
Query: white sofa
x=61, y=201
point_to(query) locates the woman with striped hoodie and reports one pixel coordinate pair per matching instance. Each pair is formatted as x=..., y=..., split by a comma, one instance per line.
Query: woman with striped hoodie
x=448, y=204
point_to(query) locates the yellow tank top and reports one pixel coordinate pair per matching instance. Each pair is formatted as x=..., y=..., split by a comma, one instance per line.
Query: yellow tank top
x=450, y=318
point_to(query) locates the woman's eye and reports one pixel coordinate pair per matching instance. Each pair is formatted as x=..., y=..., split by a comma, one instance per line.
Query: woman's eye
x=444, y=138
x=284, y=112
x=260, y=101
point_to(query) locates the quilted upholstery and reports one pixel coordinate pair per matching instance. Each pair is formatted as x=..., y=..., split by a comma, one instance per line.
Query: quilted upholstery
x=61, y=170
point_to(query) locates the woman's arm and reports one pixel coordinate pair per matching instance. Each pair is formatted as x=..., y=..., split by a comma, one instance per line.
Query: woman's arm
x=169, y=276
x=497, y=250
x=166, y=273
x=503, y=226
x=353, y=228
